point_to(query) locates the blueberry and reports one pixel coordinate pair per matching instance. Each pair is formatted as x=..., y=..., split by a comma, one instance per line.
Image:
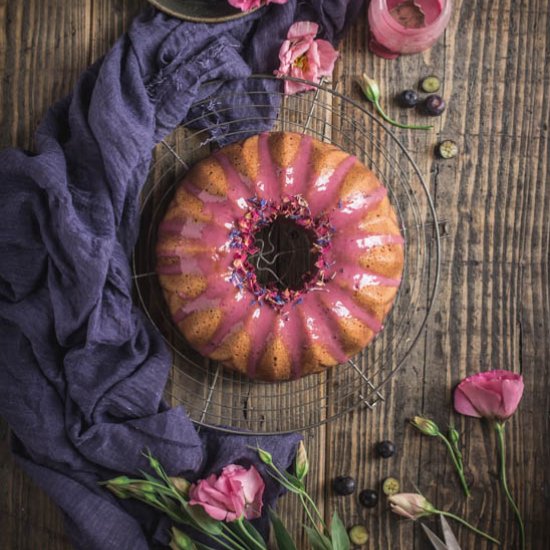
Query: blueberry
x=408, y=99
x=343, y=485
x=385, y=449
x=368, y=498
x=434, y=105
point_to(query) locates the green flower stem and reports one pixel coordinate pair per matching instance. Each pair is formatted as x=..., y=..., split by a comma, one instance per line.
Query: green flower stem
x=500, y=426
x=311, y=518
x=314, y=506
x=132, y=484
x=454, y=443
x=178, y=519
x=281, y=477
x=249, y=536
x=232, y=535
x=234, y=541
x=458, y=466
x=304, y=496
x=398, y=124
x=286, y=484
x=221, y=542
x=465, y=523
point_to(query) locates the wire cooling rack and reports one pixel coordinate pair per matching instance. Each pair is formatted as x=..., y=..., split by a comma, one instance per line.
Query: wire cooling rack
x=216, y=397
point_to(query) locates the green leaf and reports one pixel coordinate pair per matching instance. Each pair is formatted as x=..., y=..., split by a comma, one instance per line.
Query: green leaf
x=317, y=540
x=284, y=483
x=151, y=478
x=338, y=533
x=202, y=520
x=246, y=531
x=254, y=533
x=201, y=546
x=283, y=538
x=295, y=482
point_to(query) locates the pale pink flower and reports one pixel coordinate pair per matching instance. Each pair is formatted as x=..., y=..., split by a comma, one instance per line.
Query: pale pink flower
x=411, y=505
x=246, y=5
x=302, y=56
x=493, y=394
x=235, y=493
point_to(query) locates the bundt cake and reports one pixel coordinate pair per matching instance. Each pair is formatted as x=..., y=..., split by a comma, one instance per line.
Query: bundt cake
x=214, y=233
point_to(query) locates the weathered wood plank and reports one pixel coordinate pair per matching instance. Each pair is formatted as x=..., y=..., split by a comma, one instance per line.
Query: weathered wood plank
x=494, y=267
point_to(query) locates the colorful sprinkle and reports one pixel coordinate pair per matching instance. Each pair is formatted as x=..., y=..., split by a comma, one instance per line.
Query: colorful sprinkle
x=260, y=214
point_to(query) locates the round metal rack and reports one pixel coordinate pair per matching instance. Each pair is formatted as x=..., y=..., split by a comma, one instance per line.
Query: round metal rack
x=216, y=397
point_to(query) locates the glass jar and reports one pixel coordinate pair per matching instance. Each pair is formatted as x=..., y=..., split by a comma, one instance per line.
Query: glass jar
x=388, y=32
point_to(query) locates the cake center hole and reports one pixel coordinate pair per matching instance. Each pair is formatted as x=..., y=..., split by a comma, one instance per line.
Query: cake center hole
x=285, y=258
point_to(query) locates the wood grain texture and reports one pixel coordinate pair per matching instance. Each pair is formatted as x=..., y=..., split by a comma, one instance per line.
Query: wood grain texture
x=493, y=308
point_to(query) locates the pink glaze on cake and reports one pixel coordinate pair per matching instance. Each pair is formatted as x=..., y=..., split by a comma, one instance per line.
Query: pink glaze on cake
x=208, y=236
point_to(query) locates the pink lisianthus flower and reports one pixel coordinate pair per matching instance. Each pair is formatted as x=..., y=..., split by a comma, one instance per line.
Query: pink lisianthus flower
x=493, y=394
x=235, y=493
x=302, y=56
x=246, y=5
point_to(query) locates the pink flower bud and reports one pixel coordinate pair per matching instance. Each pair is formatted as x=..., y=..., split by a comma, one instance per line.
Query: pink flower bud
x=370, y=88
x=493, y=394
x=411, y=505
x=301, y=463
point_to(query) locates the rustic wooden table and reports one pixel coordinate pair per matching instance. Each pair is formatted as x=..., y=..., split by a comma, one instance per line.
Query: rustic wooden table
x=493, y=307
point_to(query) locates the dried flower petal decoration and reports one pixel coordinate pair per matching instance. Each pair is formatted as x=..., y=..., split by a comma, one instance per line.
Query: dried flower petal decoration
x=371, y=90
x=302, y=56
x=247, y=5
x=415, y=506
x=261, y=213
x=494, y=395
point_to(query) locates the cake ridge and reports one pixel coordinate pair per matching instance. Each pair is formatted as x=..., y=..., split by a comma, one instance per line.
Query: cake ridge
x=319, y=331
x=292, y=179
x=326, y=186
x=268, y=182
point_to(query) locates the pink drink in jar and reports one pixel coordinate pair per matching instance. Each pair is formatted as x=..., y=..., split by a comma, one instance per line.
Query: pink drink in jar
x=406, y=26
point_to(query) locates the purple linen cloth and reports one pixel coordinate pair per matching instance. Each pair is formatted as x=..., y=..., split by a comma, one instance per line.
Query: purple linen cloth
x=82, y=371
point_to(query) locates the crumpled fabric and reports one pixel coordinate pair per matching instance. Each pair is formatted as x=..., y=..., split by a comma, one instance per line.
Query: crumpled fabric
x=82, y=370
